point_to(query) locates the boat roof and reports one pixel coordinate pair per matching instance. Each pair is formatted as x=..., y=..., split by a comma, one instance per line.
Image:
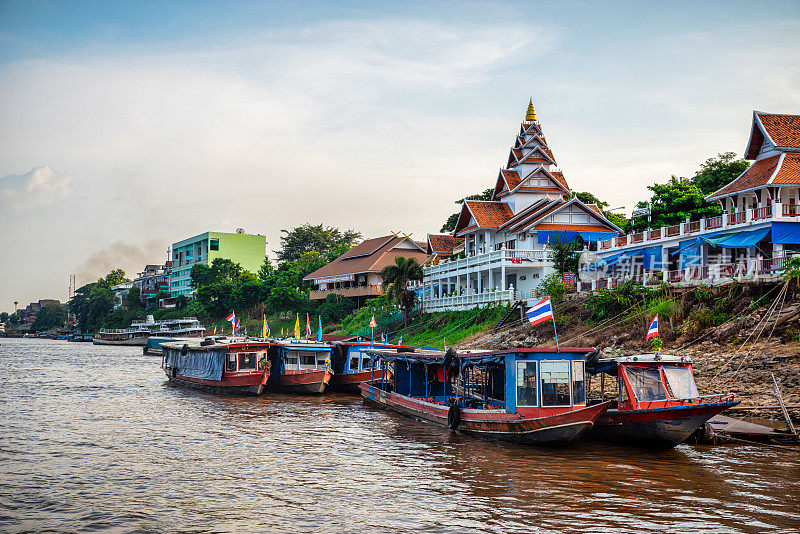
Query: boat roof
x=194, y=343
x=649, y=358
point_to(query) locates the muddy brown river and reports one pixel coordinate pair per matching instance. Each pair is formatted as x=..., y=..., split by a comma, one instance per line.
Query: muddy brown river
x=93, y=438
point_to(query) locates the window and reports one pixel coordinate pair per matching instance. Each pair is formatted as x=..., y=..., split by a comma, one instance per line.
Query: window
x=354, y=363
x=646, y=383
x=578, y=383
x=681, y=383
x=365, y=362
x=230, y=363
x=526, y=384
x=555, y=383
x=308, y=359
x=247, y=361
x=321, y=357
x=291, y=358
x=213, y=244
x=262, y=361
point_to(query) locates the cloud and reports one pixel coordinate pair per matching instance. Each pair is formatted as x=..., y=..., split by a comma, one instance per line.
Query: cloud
x=129, y=257
x=41, y=186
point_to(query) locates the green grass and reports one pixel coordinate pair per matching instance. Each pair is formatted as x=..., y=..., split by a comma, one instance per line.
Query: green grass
x=436, y=329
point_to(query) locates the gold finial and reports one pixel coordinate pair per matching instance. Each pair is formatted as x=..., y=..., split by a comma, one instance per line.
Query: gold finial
x=530, y=115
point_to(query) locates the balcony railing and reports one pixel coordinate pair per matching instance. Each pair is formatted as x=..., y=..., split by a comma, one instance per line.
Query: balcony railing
x=693, y=226
x=762, y=213
x=637, y=238
x=737, y=218
x=714, y=222
x=791, y=210
x=469, y=299
x=671, y=231
x=654, y=234
x=360, y=291
x=509, y=257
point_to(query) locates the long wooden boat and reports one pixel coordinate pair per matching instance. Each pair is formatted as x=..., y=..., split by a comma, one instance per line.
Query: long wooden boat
x=657, y=403
x=229, y=365
x=535, y=396
x=351, y=365
x=302, y=366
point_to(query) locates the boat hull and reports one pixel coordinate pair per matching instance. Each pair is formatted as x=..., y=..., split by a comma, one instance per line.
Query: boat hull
x=349, y=382
x=250, y=384
x=493, y=424
x=133, y=342
x=305, y=382
x=656, y=427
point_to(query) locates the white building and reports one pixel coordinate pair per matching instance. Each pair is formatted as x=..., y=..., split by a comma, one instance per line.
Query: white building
x=505, y=239
x=758, y=229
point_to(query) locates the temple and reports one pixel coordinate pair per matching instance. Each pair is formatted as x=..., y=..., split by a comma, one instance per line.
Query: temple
x=505, y=239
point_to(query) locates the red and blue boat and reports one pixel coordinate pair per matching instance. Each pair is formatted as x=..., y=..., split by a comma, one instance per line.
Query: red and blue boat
x=656, y=400
x=301, y=366
x=535, y=395
x=220, y=364
x=352, y=365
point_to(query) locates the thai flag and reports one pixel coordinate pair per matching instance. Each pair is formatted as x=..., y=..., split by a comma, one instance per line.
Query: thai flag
x=231, y=318
x=653, y=330
x=372, y=323
x=541, y=311
x=308, y=326
x=237, y=324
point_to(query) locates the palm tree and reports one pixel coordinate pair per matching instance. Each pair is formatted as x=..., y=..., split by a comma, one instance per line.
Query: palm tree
x=396, y=278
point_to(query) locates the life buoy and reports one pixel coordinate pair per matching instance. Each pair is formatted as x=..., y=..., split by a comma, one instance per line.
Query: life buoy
x=454, y=416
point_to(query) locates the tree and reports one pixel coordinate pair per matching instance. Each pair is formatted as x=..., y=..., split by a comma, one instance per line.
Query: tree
x=3, y=317
x=450, y=223
x=52, y=315
x=673, y=202
x=266, y=270
x=716, y=173
x=617, y=219
x=133, y=299
x=181, y=301
x=328, y=241
x=117, y=276
x=335, y=308
x=565, y=254
x=396, y=278
x=13, y=319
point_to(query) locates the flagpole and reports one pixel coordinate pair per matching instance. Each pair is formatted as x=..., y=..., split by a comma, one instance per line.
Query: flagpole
x=555, y=330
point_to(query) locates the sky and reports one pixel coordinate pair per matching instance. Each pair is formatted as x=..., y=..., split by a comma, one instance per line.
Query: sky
x=127, y=126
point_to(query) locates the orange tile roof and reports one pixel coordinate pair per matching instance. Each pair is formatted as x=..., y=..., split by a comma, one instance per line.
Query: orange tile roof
x=526, y=221
x=783, y=129
x=595, y=208
x=438, y=243
x=489, y=214
x=558, y=175
x=789, y=173
x=512, y=178
x=757, y=175
x=371, y=255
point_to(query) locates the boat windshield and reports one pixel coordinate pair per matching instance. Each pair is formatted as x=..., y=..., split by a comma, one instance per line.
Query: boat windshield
x=681, y=382
x=555, y=383
x=646, y=383
x=526, y=384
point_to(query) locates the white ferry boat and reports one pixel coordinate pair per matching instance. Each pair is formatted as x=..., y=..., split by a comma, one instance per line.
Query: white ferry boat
x=140, y=331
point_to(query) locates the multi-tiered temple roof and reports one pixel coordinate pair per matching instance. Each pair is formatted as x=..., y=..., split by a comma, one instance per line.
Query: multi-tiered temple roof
x=530, y=190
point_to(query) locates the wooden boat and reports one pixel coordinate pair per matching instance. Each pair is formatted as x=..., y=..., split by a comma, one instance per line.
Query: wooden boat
x=519, y=395
x=302, y=366
x=230, y=365
x=351, y=365
x=141, y=330
x=657, y=403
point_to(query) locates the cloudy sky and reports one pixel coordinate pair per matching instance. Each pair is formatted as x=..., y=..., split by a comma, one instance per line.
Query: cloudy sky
x=126, y=126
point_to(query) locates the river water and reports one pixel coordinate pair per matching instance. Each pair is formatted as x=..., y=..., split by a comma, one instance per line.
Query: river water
x=94, y=438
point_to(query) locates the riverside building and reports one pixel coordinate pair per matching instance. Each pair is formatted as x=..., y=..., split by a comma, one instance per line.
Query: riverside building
x=247, y=250
x=759, y=227
x=505, y=240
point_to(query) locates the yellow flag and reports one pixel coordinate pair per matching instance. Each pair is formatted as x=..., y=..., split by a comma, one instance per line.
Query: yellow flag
x=265, y=328
x=215, y=331
x=297, y=327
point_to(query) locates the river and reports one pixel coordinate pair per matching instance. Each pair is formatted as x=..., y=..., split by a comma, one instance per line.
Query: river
x=93, y=438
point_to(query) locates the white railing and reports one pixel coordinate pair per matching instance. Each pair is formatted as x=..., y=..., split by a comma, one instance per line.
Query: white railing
x=777, y=211
x=469, y=300
x=510, y=257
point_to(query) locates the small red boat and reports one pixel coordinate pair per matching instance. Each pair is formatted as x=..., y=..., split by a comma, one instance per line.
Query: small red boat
x=518, y=395
x=351, y=365
x=657, y=401
x=302, y=366
x=230, y=365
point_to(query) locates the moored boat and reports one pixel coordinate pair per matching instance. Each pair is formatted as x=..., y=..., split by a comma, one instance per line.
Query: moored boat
x=302, y=366
x=351, y=365
x=657, y=403
x=533, y=396
x=141, y=330
x=235, y=365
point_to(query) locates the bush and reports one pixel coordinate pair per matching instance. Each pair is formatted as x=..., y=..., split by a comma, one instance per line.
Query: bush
x=707, y=316
x=552, y=286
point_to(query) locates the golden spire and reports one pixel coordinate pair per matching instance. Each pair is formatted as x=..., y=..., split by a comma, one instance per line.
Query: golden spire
x=530, y=115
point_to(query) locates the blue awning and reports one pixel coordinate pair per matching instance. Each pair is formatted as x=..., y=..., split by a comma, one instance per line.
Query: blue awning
x=786, y=232
x=683, y=246
x=651, y=257
x=596, y=236
x=546, y=236
x=747, y=239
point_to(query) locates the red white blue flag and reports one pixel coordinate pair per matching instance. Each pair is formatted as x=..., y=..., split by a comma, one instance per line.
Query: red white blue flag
x=308, y=326
x=231, y=318
x=653, y=330
x=541, y=311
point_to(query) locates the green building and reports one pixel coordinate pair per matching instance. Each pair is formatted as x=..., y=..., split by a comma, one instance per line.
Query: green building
x=245, y=249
